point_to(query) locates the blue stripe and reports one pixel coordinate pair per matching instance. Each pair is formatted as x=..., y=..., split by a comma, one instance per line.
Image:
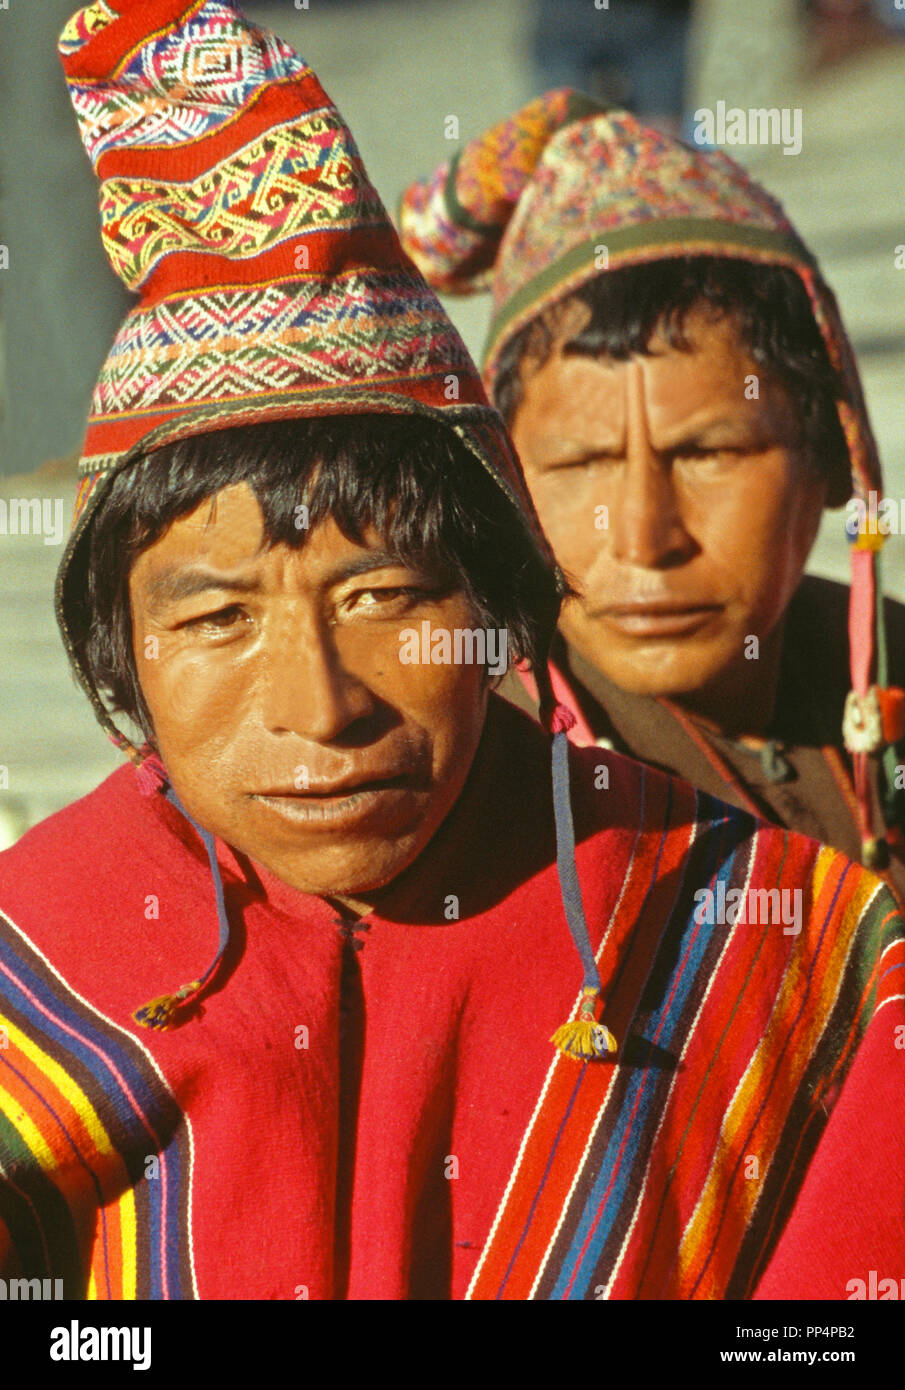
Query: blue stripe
x=630, y=1124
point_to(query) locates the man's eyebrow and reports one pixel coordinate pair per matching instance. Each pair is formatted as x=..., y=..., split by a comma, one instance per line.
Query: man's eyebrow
x=366, y=563
x=708, y=432
x=685, y=433
x=179, y=582
x=568, y=451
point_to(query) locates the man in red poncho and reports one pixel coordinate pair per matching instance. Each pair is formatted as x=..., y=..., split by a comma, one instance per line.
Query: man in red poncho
x=300, y=539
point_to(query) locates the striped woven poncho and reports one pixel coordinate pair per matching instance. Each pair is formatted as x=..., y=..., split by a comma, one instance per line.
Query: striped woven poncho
x=746, y=1138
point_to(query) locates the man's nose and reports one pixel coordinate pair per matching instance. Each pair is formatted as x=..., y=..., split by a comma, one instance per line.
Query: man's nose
x=304, y=685
x=646, y=524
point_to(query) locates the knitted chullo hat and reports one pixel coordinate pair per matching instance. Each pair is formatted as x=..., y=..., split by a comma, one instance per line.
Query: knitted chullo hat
x=271, y=286
x=271, y=283
x=525, y=211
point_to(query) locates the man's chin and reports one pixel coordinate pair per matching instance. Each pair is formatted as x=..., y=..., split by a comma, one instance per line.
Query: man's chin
x=667, y=673
x=353, y=870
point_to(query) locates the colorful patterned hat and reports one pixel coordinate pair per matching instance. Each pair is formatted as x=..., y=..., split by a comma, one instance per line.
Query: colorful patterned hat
x=271, y=282
x=562, y=192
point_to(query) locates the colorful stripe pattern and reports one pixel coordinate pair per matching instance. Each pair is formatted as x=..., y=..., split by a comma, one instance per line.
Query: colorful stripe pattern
x=292, y=179
x=668, y=1172
x=255, y=342
x=451, y=223
x=83, y=25
x=217, y=60
x=87, y=1126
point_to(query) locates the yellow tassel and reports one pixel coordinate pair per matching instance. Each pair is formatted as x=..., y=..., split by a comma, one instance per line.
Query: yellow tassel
x=584, y=1038
x=875, y=854
x=581, y=1039
x=158, y=1013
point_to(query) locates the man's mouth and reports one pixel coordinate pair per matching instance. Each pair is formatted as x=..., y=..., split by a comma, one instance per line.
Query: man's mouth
x=337, y=803
x=658, y=617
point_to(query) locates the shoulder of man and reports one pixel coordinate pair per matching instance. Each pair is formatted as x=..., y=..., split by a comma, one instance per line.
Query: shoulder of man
x=735, y=872
x=74, y=882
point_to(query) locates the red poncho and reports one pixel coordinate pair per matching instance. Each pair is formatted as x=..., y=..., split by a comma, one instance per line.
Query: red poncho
x=347, y=1111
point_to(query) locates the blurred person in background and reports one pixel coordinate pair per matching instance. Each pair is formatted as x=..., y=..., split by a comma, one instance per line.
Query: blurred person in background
x=633, y=54
x=685, y=402
x=844, y=29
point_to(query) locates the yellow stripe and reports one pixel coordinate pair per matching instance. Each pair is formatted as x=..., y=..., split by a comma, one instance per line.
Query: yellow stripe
x=28, y=1131
x=130, y=1243
x=124, y=1207
x=68, y=1088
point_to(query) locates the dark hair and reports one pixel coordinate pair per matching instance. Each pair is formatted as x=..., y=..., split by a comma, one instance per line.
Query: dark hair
x=410, y=478
x=768, y=304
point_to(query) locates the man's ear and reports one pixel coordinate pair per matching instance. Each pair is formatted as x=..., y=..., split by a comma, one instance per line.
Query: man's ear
x=833, y=470
x=839, y=481
x=831, y=459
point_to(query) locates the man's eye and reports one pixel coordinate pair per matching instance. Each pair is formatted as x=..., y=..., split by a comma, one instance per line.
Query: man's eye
x=373, y=598
x=220, y=618
x=725, y=453
x=586, y=465
x=389, y=597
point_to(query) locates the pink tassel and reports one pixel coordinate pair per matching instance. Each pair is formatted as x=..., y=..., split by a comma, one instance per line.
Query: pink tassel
x=563, y=720
x=151, y=775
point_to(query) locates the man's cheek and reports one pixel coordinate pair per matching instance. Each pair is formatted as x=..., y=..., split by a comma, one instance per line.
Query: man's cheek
x=746, y=514
x=195, y=683
x=190, y=702
x=576, y=529
x=441, y=697
x=558, y=493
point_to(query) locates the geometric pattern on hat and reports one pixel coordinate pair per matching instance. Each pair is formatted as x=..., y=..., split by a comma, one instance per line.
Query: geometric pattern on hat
x=227, y=176
x=451, y=223
x=271, y=282
x=254, y=342
x=83, y=26
x=212, y=64
x=647, y=182
x=248, y=203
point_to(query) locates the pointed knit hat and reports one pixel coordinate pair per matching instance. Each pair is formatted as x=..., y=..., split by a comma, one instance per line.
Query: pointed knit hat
x=271, y=283
x=563, y=191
